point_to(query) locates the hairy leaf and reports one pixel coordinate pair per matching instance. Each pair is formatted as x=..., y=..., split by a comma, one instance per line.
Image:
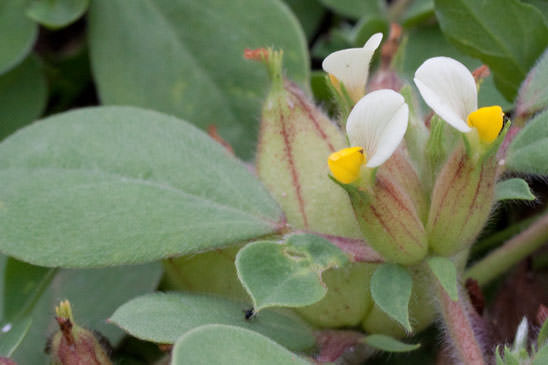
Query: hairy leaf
x=507, y=35
x=115, y=185
x=185, y=57
x=222, y=344
x=289, y=274
x=163, y=318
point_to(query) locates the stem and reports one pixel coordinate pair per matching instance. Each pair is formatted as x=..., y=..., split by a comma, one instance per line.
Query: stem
x=460, y=329
x=512, y=252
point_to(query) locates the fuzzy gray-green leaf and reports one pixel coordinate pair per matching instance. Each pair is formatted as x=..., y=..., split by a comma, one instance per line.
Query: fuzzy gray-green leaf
x=222, y=344
x=185, y=57
x=115, y=185
x=387, y=343
x=513, y=189
x=391, y=287
x=287, y=275
x=527, y=152
x=56, y=13
x=163, y=318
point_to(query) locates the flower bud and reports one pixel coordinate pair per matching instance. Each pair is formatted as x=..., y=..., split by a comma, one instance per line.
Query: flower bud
x=462, y=199
x=388, y=219
x=399, y=168
x=295, y=140
x=73, y=344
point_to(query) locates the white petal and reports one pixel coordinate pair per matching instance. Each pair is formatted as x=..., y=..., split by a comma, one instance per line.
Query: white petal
x=378, y=123
x=373, y=42
x=351, y=65
x=448, y=87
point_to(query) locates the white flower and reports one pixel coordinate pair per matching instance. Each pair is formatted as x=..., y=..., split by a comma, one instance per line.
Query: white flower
x=375, y=128
x=449, y=88
x=351, y=66
x=378, y=123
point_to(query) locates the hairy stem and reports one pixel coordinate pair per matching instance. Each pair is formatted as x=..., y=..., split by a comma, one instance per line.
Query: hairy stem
x=458, y=320
x=512, y=252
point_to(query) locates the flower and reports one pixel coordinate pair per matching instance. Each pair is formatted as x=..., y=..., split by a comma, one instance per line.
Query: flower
x=449, y=88
x=375, y=127
x=351, y=66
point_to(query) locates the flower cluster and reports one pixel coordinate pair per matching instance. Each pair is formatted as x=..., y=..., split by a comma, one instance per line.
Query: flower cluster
x=385, y=200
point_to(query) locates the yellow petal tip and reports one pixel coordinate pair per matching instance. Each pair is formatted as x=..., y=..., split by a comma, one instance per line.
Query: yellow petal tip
x=345, y=164
x=488, y=121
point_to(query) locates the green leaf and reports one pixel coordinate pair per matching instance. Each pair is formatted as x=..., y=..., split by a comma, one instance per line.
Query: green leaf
x=507, y=35
x=512, y=189
x=418, y=12
x=163, y=318
x=12, y=334
x=541, y=5
x=353, y=8
x=23, y=286
x=23, y=96
x=391, y=287
x=387, y=343
x=287, y=275
x=445, y=271
x=527, y=152
x=309, y=12
x=222, y=344
x=94, y=295
x=428, y=41
x=542, y=336
x=114, y=185
x=17, y=33
x=56, y=13
x=185, y=57
x=510, y=358
x=541, y=357
x=367, y=26
x=533, y=93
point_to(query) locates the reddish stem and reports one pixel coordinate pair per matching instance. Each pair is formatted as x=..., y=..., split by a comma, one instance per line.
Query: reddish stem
x=459, y=321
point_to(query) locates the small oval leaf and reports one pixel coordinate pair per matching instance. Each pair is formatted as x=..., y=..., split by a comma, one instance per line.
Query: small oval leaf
x=163, y=318
x=221, y=344
x=445, y=271
x=56, y=13
x=513, y=189
x=391, y=287
x=289, y=274
x=387, y=343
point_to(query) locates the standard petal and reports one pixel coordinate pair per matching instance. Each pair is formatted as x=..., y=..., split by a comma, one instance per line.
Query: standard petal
x=351, y=66
x=448, y=87
x=373, y=42
x=378, y=123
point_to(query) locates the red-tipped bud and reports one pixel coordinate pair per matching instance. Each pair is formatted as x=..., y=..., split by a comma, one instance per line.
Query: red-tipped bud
x=295, y=140
x=74, y=345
